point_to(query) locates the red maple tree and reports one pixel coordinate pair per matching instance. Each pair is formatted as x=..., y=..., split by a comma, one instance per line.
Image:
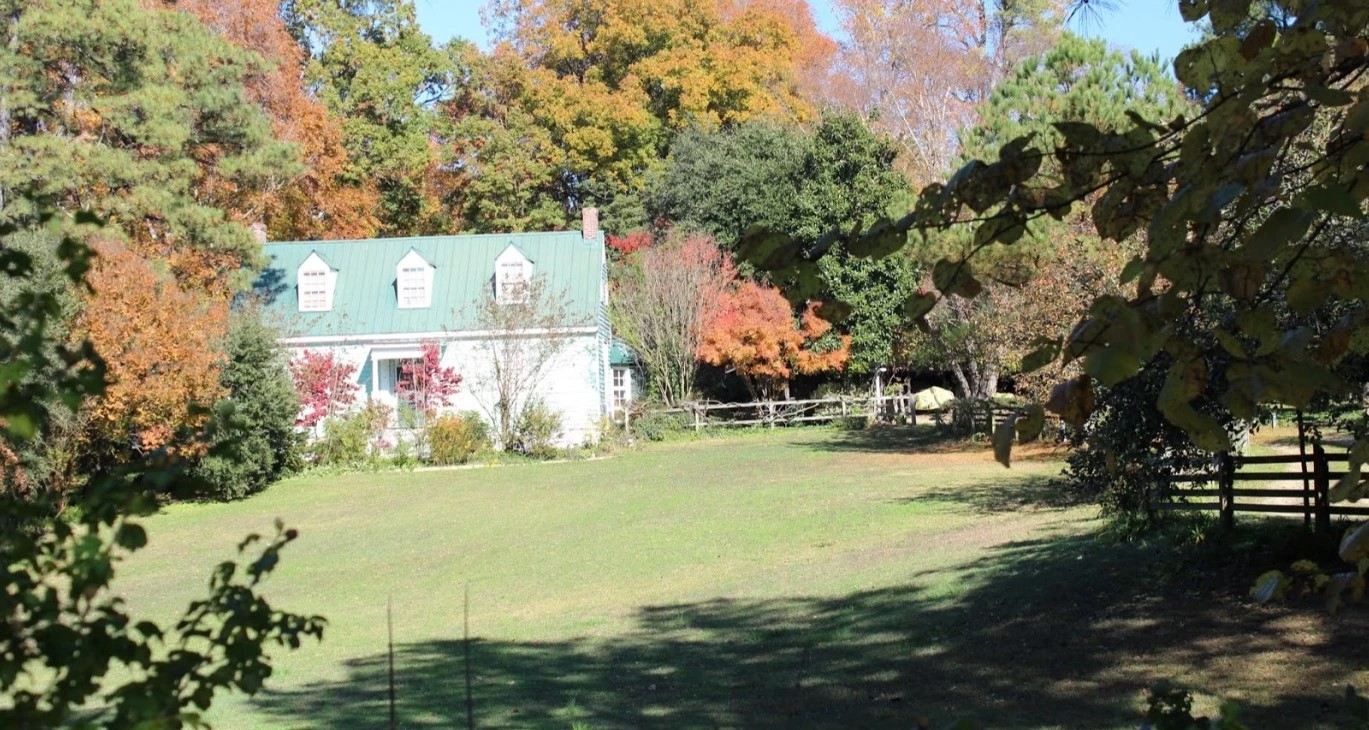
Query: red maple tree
x=754, y=333
x=629, y=243
x=325, y=385
x=427, y=385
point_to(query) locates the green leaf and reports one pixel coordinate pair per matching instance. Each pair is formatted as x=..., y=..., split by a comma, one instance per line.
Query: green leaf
x=1006, y=229
x=1328, y=96
x=834, y=311
x=1079, y=135
x=131, y=536
x=1003, y=436
x=1220, y=199
x=1306, y=294
x=1332, y=199
x=1354, y=546
x=1040, y=357
x=1192, y=10
x=1268, y=586
x=882, y=239
x=1226, y=15
x=919, y=304
x=1073, y=401
x=768, y=250
x=954, y=277
x=20, y=425
x=1230, y=343
x=1030, y=422
x=1133, y=270
x=1112, y=364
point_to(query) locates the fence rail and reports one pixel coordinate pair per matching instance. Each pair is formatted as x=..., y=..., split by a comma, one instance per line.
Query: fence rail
x=813, y=410
x=1313, y=470
x=980, y=417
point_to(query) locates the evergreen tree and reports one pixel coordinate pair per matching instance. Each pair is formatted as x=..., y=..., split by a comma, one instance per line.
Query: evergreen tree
x=723, y=182
x=978, y=339
x=136, y=115
x=253, y=436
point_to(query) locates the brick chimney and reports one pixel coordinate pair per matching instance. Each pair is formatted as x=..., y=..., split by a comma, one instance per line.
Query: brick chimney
x=589, y=223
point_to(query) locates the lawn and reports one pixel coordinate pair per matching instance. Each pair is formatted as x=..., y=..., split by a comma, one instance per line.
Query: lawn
x=796, y=578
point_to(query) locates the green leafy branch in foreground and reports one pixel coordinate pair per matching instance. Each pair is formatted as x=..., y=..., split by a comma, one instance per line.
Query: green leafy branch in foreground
x=1307, y=578
x=1253, y=282
x=71, y=655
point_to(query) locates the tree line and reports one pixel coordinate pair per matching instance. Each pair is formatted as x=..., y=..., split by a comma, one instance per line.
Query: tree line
x=194, y=127
x=140, y=141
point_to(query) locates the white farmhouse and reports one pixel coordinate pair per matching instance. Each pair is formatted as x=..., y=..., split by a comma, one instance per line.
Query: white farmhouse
x=373, y=303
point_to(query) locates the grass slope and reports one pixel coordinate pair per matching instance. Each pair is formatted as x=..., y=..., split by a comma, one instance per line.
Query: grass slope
x=788, y=579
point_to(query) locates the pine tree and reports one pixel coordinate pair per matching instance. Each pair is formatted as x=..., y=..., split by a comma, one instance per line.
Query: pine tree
x=138, y=116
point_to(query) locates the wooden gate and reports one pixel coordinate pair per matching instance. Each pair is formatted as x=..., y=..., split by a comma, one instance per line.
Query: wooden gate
x=1254, y=484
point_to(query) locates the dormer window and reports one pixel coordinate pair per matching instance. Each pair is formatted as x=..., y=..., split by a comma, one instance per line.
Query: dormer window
x=316, y=281
x=412, y=292
x=414, y=281
x=512, y=276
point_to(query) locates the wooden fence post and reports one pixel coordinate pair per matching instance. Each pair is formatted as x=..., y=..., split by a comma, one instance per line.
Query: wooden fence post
x=698, y=422
x=1226, y=483
x=1307, y=496
x=1323, y=481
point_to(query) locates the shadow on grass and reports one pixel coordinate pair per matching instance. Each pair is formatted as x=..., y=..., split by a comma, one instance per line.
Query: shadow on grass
x=994, y=496
x=894, y=439
x=1044, y=633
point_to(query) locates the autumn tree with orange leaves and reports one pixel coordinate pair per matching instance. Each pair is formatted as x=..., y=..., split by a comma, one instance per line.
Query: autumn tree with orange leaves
x=755, y=334
x=322, y=201
x=160, y=344
x=593, y=92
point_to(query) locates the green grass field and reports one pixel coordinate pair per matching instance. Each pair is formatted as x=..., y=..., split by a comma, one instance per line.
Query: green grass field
x=806, y=578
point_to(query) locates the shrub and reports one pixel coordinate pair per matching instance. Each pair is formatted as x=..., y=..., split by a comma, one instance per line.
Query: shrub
x=853, y=422
x=1128, y=450
x=454, y=439
x=350, y=440
x=252, y=434
x=656, y=426
x=536, y=431
x=610, y=437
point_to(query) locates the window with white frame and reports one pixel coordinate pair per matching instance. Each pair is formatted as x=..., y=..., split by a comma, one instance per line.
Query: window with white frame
x=414, y=281
x=512, y=276
x=413, y=287
x=313, y=290
x=512, y=284
x=622, y=388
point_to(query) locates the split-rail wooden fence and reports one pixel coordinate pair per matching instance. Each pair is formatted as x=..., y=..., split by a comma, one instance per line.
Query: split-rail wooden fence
x=1283, y=484
x=890, y=408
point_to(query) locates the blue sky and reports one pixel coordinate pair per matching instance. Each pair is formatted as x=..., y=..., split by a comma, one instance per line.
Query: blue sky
x=1145, y=25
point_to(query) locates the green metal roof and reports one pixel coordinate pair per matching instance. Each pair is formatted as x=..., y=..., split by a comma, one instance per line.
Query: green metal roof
x=620, y=354
x=365, y=301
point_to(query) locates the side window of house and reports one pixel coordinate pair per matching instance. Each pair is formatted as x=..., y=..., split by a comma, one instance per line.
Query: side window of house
x=621, y=388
